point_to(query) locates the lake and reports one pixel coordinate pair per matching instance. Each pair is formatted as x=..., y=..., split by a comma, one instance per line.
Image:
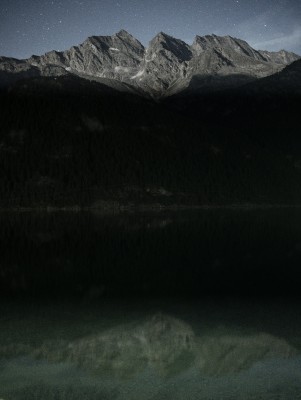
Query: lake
x=154, y=305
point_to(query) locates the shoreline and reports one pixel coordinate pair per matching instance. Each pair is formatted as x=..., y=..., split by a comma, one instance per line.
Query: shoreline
x=112, y=209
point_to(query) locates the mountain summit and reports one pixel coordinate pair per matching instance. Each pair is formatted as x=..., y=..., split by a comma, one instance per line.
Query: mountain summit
x=166, y=67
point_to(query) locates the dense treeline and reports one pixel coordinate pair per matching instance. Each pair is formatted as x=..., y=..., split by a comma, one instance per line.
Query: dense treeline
x=66, y=141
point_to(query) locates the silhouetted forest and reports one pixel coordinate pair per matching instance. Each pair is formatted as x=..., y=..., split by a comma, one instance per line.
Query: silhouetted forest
x=70, y=142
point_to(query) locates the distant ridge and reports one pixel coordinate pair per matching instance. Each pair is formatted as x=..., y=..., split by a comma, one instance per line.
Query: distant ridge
x=167, y=66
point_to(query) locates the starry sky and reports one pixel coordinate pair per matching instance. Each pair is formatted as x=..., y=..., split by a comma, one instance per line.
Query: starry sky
x=36, y=26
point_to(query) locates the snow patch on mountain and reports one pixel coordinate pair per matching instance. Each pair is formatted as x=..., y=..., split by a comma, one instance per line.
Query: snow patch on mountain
x=139, y=74
x=121, y=69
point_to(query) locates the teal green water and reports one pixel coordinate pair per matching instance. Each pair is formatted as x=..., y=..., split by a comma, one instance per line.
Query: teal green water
x=156, y=350
x=200, y=305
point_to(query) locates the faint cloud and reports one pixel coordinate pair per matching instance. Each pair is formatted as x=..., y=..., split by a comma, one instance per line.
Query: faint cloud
x=273, y=29
x=287, y=41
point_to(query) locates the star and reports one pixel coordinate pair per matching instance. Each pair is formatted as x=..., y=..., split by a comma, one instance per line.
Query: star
x=78, y=19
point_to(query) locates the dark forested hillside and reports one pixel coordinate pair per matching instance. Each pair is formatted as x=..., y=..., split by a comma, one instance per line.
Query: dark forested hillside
x=66, y=141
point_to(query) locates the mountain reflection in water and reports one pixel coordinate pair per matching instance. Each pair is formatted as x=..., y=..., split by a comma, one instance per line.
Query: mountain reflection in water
x=147, y=356
x=166, y=344
x=150, y=306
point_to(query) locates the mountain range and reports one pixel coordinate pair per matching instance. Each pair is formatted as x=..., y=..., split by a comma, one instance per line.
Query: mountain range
x=166, y=67
x=109, y=123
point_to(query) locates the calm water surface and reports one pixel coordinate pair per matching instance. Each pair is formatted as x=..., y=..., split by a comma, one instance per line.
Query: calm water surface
x=201, y=305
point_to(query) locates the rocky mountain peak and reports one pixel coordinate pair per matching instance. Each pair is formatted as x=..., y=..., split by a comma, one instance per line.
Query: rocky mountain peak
x=104, y=43
x=128, y=38
x=165, y=43
x=167, y=66
x=162, y=36
x=124, y=34
x=225, y=44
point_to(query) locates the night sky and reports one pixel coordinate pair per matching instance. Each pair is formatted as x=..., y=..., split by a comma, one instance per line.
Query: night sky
x=36, y=26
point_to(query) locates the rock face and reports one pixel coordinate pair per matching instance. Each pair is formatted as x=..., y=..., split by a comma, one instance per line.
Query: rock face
x=279, y=57
x=111, y=57
x=166, y=67
x=226, y=61
x=165, y=64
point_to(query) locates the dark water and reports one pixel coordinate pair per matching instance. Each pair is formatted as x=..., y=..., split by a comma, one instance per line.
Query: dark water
x=176, y=305
x=192, y=254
